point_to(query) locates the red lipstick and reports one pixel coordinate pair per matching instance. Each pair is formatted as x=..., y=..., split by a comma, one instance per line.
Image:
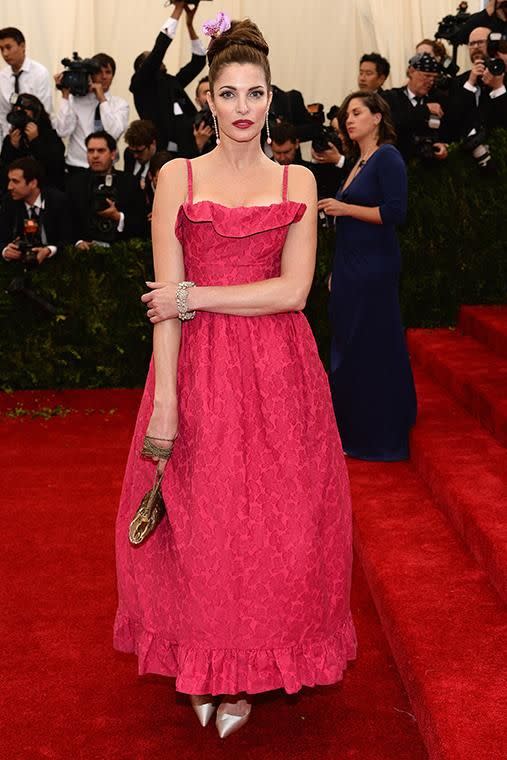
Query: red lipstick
x=242, y=123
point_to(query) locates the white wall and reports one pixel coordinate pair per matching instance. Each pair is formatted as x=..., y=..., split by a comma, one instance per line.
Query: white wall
x=315, y=45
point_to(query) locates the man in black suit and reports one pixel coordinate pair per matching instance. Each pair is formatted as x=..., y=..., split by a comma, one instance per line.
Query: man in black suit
x=141, y=139
x=289, y=108
x=160, y=97
x=107, y=205
x=477, y=98
x=33, y=213
x=419, y=121
x=373, y=72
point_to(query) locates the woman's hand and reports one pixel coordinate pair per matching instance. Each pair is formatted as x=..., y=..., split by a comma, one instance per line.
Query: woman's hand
x=162, y=430
x=31, y=131
x=161, y=301
x=332, y=207
x=15, y=138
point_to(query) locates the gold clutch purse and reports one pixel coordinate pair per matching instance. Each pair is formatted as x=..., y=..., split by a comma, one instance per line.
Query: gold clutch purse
x=149, y=513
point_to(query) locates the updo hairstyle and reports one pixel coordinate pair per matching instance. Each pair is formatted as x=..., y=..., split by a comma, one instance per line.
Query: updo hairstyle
x=242, y=43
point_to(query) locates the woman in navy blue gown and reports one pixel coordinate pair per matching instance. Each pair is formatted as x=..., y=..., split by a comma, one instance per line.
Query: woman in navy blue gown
x=371, y=379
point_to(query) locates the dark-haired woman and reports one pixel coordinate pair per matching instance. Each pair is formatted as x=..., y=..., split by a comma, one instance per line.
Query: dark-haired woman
x=36, y=138
x=245, y=588
x=371, y=379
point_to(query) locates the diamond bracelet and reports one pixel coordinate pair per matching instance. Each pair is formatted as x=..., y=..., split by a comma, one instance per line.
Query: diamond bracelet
x=181, y=300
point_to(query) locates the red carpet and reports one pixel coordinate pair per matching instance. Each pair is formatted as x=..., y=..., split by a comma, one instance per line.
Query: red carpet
x=432, y=537
x=65, y=694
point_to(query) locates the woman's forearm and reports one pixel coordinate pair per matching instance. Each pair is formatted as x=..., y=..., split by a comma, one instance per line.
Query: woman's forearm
x=365, y=213
x=166, y=347
x=273, y=296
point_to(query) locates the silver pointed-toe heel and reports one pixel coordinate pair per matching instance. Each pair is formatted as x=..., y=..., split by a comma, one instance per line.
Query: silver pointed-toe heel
x=204, y=712
x=226, y=724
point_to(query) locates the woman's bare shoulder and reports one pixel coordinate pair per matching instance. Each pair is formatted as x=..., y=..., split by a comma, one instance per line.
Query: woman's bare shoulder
x=302, y=185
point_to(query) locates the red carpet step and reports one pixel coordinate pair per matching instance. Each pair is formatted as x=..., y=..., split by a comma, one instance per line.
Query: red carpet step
x=471, y=372
x=487, y=324
x=465, y=469
x=65, y=694
x=446, y=625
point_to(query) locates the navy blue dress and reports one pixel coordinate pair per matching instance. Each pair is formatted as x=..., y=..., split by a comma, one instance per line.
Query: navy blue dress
x=370, y=375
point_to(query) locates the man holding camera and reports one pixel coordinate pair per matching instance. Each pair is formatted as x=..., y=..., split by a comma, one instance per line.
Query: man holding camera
x=34, y=220
x=141, y=139
x=417, y=119
x=159, y=96
x=477, y=96
x=106, y=205
x=80, y=115
x=21, y=74
x=493, y=17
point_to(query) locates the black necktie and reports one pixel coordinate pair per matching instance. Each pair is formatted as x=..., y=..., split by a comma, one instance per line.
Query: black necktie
x=16, y=81
x=139, y=173
x=33, y=212
x=97, y=120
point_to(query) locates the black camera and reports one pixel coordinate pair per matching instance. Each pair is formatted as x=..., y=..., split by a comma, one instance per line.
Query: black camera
x=28, y=255
x=475, y=144
x=326, y=135
x=101, y=227
x=451, y=25
x=495, y=66
x=204, y=117
x=424, y=147
x=76, y=78
x=18, y=117
x=497, y=43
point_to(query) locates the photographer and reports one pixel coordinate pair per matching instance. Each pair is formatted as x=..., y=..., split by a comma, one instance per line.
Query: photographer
x=106, y=204
x=141, y=139
x=80, y=115
x=160, y=97
x=32, y=135
x=473, y=98
x=493, y=17
x=21, y=74
x=285, y=146
x=44, y=207
x=418, y=120
x=288, y=107
x=373, y=72
x=204, y=133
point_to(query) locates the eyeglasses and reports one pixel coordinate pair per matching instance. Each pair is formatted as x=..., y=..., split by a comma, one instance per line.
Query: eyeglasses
x=477, y=43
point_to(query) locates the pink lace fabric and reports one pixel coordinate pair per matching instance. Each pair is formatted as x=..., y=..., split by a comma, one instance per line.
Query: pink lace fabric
x=245, y=587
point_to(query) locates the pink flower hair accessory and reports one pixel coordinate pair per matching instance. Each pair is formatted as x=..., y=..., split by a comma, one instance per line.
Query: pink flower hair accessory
x=216, y=27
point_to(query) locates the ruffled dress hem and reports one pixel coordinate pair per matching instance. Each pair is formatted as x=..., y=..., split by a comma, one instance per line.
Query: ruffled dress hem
x=230, y=671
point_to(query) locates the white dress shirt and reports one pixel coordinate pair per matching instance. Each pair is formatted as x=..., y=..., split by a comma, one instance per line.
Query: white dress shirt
x=493, y=94
x=34, y=79
x=76, y=120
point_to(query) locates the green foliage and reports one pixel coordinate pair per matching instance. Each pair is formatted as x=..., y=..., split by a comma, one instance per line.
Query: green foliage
x=453, y=249
x=100, y=336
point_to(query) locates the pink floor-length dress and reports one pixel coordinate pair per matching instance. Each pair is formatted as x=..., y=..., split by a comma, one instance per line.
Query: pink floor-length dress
x=245, y=587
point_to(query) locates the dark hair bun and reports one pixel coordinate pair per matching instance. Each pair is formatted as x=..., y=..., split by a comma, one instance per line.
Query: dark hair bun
x=241, y=33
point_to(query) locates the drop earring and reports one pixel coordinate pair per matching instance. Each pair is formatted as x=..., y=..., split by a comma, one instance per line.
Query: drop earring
x=215, y=124
x=269, y=140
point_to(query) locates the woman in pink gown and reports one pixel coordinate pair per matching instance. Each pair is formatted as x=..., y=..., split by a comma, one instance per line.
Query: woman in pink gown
x=245, y=588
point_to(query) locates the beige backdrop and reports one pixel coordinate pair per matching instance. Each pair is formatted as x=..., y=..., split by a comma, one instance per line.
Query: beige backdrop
x=315, y=44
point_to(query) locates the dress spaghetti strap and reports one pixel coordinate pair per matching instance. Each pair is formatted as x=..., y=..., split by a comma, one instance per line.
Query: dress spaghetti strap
x=190, y=180
x=285, y=187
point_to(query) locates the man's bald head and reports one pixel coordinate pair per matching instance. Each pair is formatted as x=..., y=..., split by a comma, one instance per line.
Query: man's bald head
x=478, y=43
